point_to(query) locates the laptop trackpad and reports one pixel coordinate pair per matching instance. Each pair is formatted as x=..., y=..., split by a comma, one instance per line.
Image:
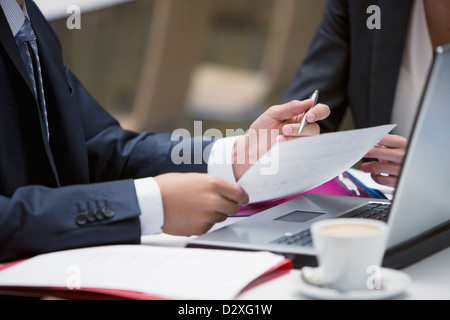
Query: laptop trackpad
x=300, y=216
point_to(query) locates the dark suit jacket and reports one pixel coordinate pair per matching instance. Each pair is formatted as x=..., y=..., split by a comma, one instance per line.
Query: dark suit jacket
x=352, y=65
x=61, y=194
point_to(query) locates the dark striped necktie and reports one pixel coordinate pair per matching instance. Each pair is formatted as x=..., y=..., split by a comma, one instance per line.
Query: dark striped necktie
x=26, y=41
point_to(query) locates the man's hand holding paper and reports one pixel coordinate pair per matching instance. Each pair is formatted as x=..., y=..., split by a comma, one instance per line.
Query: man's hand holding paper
x=300, y=165
x=278, y=124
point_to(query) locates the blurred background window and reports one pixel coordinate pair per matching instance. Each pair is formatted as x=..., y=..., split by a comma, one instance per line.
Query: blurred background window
x=158, y=65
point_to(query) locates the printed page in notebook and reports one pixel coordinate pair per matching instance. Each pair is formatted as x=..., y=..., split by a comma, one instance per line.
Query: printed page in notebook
x=171, y=273
x=303, y=164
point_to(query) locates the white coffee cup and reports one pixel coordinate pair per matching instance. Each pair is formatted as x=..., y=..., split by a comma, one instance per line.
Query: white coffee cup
x=349, y=251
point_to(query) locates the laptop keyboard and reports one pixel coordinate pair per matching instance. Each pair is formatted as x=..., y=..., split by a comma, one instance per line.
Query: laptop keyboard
x=376, y=211
x=302, y=239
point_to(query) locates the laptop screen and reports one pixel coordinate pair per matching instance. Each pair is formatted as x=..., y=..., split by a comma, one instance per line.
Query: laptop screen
x=422, y=198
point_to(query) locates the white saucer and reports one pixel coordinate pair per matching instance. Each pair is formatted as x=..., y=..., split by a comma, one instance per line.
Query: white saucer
x=393, y=283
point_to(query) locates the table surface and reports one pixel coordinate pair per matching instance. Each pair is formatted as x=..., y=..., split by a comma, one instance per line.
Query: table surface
x=430, y=277
x=54, y=10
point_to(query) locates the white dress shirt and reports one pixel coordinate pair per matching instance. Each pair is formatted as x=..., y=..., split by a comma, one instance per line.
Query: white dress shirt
x=416, y=63
x=147, y=190
x=14, y=14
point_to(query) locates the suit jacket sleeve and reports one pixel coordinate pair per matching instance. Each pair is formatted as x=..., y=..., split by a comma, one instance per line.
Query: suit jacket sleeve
x=115, y=153
x=37, y=219
x=326, y=65
x=100, y=206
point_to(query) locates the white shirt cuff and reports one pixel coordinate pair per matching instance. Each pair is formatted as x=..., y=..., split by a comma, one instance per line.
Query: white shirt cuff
x=151, y=206
x=220, y=162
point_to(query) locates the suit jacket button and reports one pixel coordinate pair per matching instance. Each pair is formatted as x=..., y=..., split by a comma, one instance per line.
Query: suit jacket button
x=108, y=213
x=81, y=220
x=98, y=214
x=90, y=215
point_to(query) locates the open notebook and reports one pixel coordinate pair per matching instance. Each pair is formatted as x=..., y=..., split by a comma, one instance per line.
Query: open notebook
x=142, y=272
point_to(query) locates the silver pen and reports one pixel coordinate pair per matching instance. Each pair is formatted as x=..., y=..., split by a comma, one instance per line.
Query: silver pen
x=315, y=98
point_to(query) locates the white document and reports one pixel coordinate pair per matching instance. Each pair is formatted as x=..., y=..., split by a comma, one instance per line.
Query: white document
x=297, y=166
x=173, y=273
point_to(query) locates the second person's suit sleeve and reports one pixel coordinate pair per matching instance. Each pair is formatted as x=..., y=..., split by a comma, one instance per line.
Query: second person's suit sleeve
x=326, y=65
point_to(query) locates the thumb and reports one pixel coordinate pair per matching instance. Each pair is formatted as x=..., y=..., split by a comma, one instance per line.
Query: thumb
x=289, y=110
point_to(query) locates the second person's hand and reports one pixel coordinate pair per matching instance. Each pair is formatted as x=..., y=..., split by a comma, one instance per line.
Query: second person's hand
x=390, y=152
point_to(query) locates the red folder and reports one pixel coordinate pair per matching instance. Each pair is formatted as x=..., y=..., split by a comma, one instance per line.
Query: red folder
x=86, y=293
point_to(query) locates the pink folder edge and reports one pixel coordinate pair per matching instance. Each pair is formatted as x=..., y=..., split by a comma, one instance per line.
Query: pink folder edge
x=332, y=187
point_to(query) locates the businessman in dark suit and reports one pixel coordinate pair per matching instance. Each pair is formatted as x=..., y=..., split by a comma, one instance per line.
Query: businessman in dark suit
x=71, y=177
x=378, y=68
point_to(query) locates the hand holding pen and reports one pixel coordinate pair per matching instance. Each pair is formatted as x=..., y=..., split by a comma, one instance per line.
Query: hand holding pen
x=315, y=98
x=304, y=123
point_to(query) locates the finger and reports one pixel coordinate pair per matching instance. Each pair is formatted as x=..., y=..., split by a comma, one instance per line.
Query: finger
x=390, y=181
x=318, y=113
x=219, y=217
x=231, y=191
x=289, y=110
x=387, y=154
x=389, y=168
x=291, y=130
x=280, y=139
x=209, y=221
x=312, y=129
x=394, y=141
x=226, y=207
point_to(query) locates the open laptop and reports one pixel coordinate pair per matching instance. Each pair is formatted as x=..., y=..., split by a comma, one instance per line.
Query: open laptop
x=418, y=217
